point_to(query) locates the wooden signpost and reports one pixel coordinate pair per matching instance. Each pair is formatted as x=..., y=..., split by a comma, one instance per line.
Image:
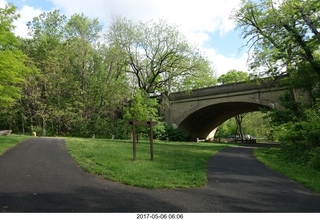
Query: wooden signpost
x=134, y=123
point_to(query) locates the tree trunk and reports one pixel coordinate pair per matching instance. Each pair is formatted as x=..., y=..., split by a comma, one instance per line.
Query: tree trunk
x=44, y=126
x=309, y=22
x=22, y=123
x=239, y=119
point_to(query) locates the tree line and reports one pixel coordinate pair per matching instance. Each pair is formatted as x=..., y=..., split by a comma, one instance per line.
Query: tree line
x=68, y=77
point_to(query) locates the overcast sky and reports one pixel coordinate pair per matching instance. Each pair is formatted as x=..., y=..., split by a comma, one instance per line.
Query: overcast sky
x=204, y=22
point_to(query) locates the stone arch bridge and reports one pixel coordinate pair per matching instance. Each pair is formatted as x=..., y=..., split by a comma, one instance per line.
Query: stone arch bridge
x=201, y=111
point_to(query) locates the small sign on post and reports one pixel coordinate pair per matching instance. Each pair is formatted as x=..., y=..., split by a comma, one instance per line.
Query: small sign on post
x=134, y=123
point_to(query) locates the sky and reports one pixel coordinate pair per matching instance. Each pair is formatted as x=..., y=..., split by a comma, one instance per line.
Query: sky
x=205, y=23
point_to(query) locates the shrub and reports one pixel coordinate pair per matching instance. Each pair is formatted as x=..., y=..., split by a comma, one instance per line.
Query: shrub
x=314, y=156
x=175, y=134
x=301, y=140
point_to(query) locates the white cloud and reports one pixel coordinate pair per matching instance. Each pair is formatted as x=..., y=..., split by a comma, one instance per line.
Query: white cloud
x=196, y=17
x=27, y=14
x=223, y=64
x=197, y=20
x=2, y=3
x=103, y=9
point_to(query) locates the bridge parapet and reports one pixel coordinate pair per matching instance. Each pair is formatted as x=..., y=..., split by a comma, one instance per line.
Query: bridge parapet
x=238, y=87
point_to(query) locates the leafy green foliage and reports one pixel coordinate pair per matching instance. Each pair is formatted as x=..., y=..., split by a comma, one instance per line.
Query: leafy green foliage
x=227, y=128
x=81, y=85
x=79, y=90
x=233, y=76
x=292, y=112
x=12, y=61
x=161, y=60
x=301, y=140
x=144, y=108
x=283, y=39
x=256, y=124
x=174, y=134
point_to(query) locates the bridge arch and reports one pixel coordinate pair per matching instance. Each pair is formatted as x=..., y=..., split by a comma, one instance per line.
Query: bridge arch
x=203, y=110
x=200, y=123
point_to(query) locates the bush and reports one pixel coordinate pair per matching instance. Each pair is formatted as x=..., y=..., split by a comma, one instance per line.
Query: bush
x=175, y=134
x=314, y=156
x=37, y=129
x=301, y=140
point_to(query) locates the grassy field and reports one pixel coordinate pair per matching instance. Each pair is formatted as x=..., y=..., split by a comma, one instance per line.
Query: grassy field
x=175, y=165
x=308, y=177
x=9, y=141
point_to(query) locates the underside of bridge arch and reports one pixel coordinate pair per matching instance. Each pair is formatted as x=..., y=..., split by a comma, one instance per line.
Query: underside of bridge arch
x=200, y=123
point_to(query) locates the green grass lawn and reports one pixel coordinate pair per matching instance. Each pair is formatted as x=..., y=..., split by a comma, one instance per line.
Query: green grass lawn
x=175, y=165
x=9, y=141
x=306, y=176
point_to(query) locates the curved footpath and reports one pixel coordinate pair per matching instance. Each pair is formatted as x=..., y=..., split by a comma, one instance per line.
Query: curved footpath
x=39, y=175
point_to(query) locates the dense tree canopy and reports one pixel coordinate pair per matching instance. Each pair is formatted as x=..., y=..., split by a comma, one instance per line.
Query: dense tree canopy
x=84, y=84
x=12, y=61
x=284, y=39
x=233, y=76
x=159, y=57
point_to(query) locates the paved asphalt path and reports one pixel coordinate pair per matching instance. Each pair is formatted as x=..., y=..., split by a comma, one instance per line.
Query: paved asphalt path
x=39, y=175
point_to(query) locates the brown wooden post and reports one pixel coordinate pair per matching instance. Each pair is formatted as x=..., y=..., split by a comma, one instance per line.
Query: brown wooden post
x=134, y=123
x=134, y=139
x=151, y=139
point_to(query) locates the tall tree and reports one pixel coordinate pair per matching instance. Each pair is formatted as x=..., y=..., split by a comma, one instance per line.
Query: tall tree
x=144, y=108
x=284, y=38
x=81, y=85
x=99, y=69
x=82, y=33
x=233, y=76
x=158, y=56
x=50, y=86
x=13, y=67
